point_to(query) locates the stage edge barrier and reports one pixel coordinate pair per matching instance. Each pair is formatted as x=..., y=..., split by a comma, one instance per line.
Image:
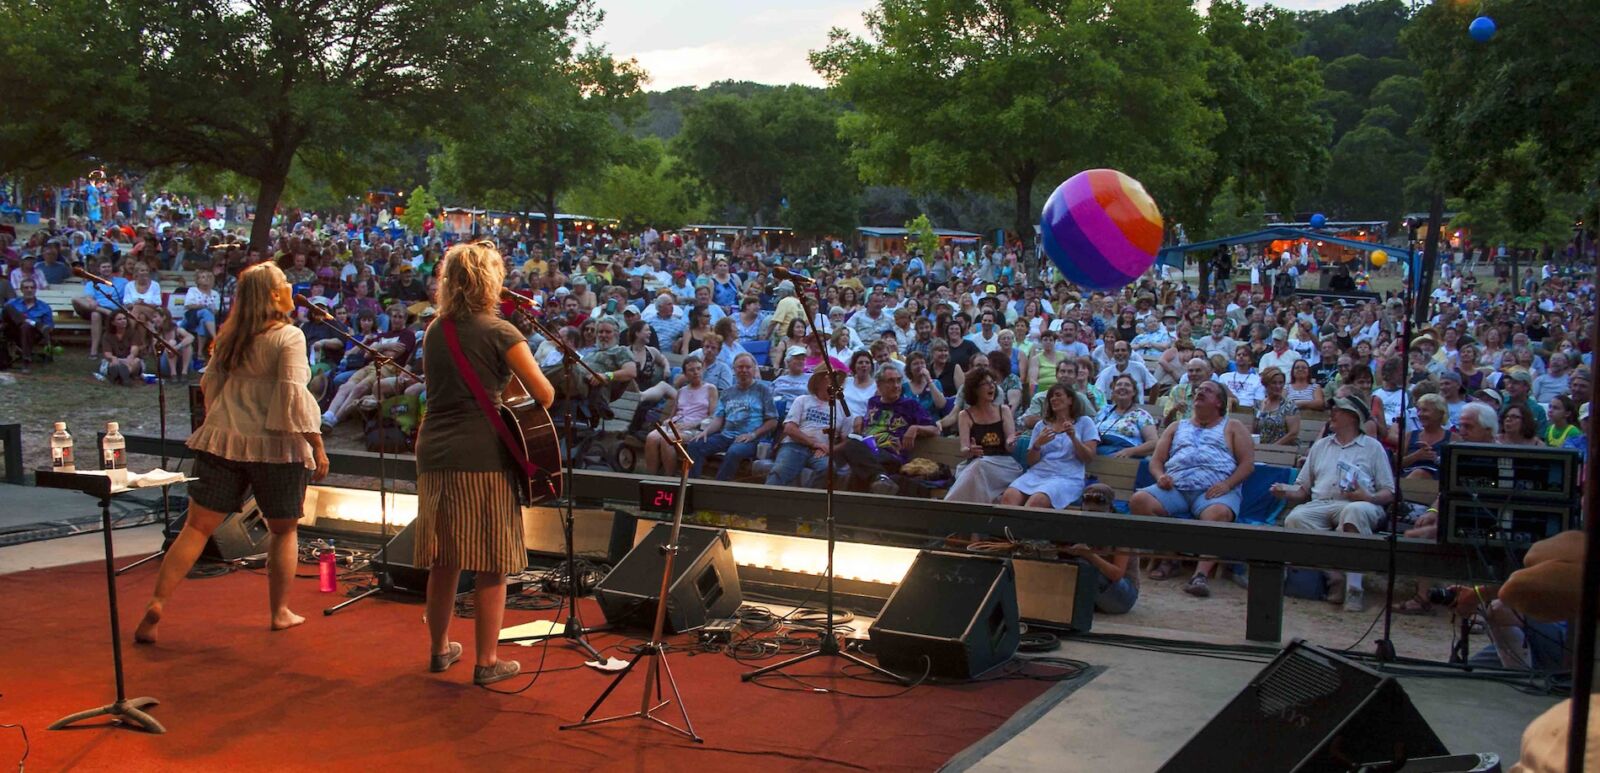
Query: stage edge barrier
x=1267, y=550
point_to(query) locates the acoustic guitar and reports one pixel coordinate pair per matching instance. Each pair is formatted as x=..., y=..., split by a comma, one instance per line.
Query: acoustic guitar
x=532, y=427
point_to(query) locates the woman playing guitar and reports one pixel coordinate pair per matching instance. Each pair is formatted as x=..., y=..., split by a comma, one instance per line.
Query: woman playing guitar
x=468, y=517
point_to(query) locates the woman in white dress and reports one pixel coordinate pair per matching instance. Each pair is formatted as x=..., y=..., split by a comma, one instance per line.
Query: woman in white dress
x=988, y=433
x=1062, y=444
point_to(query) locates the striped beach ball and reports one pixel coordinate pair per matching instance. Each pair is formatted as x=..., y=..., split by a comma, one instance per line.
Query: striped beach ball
x=1101, y=229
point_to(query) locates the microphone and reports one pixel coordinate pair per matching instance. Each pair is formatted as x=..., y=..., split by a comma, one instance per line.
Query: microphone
x=79, y=271
x=782, y=273
x=514, y=296
x=316, y=308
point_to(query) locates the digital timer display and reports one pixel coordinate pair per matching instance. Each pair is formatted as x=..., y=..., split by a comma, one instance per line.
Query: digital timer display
x=659, y=497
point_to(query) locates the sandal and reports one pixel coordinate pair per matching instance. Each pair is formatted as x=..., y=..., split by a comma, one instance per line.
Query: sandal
x=1198, y=587
x=1165, y=570
x=446, y=659
x=1413, y=606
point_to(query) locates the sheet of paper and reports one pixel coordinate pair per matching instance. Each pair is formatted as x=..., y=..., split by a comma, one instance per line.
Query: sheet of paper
x=535, y=628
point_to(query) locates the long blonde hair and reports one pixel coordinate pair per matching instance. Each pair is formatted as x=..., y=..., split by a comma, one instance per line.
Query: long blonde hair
x=253, y=311
x=470, y=280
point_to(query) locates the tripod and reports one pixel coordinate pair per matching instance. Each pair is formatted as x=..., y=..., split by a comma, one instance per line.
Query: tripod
x=379, y=362
x=572, y=630
x=655, y=649
x=829, y=645
x=161, y=402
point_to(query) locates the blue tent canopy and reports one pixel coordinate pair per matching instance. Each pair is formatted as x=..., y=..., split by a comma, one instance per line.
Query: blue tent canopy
x=1173, y=255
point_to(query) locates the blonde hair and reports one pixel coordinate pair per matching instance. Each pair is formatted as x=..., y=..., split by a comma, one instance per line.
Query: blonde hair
x=470, y=280
x=253, y=311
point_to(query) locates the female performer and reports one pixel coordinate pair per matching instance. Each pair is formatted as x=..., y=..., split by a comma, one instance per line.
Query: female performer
x=261, y=436
x=467, y=513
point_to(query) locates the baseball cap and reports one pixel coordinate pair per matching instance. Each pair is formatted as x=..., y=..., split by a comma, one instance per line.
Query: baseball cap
x=1279, y=334
x=785, y=286
x=1450, y=375
x=796, y=351
x=1491, y=395
x=1520, y=374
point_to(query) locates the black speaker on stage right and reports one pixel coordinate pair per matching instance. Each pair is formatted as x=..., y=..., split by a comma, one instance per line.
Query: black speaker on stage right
x=958, y=611
x=241, y=535
x=1310, y=710
x=704, y=585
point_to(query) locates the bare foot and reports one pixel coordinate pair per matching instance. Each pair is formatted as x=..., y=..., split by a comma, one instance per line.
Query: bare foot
x=146, y=632
x=286, y=619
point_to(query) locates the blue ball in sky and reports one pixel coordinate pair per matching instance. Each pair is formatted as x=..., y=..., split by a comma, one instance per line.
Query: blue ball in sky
x=1319, y=220
x=1481, y=29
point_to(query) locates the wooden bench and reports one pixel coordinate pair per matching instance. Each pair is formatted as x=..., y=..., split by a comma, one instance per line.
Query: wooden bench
x=1418, y=491
x=1120, y=474
x=1310, y=432
x=1283, y=456
x=60, y=297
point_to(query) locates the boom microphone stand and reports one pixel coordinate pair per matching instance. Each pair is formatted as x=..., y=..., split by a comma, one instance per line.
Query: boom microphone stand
x=161, y=397
x=379, y=360
x=573, y=630
x=655, y=649
x=829, y=645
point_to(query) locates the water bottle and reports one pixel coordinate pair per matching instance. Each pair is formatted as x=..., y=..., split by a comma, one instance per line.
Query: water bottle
x=328, y=569
x=61, y=450
x=114, y=455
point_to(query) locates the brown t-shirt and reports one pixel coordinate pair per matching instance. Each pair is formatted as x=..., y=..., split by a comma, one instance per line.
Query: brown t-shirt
x=455, y=434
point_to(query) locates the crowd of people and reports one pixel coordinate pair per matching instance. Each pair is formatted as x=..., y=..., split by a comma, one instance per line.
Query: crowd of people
x=1030, y=376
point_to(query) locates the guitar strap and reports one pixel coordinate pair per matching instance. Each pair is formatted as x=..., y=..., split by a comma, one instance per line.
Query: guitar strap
x=518, y=453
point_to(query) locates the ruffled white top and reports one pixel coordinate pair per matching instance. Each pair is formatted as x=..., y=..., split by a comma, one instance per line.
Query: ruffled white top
x=257, y=411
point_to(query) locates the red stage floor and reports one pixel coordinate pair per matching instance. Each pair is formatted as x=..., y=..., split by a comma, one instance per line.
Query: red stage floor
x=353, y=690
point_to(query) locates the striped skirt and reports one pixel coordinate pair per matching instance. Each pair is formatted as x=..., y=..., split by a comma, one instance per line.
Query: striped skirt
x=470, y=520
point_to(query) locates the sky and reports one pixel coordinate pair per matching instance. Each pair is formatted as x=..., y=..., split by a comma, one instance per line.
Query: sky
x=698, y=42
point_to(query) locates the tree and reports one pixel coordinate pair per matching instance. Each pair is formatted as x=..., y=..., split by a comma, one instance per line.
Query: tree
x=774, y=155
x=419, y=206
x=1529, y=91
x=1273, y=144
x=1373, y=165
x=254, y=87
x=1003, y=95
x=920, y=236
x=524, y=153
x=645, y=191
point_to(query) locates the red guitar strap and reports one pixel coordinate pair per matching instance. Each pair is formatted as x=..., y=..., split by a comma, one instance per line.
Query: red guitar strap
x=518, y=453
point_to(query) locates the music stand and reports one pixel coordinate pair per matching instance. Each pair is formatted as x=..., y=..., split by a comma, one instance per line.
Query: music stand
x=123, y=711
x=655, y=649
x=573, y=629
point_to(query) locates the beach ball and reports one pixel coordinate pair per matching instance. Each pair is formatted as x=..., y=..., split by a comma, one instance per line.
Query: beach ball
x=1481, y=29
x=1101, y=229
x=1378, y=258
x=1319, y=220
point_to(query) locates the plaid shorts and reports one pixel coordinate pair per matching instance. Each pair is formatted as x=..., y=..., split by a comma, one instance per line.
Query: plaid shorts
x=223, y=486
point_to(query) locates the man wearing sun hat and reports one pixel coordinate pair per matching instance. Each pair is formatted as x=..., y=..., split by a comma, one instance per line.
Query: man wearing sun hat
x=1345, y=485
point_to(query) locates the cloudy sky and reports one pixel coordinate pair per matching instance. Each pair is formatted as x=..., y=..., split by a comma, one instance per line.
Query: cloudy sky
x=696, y=42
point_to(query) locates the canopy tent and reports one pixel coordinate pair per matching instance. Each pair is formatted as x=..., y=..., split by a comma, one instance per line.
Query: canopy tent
x=1173, y=255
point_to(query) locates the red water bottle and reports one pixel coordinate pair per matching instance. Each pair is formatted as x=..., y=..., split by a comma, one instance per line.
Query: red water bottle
x=328, y=569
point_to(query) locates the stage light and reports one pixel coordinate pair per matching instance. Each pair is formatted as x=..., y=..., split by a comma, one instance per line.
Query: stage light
x=806, y=555
x=355, y=510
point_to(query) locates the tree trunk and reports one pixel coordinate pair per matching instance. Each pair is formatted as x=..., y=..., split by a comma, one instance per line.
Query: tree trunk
x=1024, y=222
x=267, y=198
x=550, y=224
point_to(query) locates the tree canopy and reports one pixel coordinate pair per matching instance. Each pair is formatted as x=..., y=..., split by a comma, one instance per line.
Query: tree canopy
x=254, y=87
x=1004, y=95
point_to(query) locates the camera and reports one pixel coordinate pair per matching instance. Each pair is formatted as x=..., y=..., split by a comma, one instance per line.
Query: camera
x=1441, y=596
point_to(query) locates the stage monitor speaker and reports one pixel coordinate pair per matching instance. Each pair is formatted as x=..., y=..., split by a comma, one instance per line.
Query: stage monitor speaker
x=1058, y=593
x=704, y=584
x=404, y=574
x=241, y=535
x=1310, y=710
x=598, y=535
x=958, y=611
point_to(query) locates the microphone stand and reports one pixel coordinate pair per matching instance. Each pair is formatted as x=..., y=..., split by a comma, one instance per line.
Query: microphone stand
x=828, y=646
x=573, y=631
x=161, y=403
x=379, y=360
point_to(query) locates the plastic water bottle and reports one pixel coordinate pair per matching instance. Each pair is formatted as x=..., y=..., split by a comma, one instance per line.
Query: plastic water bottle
x=61, y=450
x=114, y=455
x=328, y=569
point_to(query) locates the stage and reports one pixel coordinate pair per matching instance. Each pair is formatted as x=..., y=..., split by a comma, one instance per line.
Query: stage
x=352, y=690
